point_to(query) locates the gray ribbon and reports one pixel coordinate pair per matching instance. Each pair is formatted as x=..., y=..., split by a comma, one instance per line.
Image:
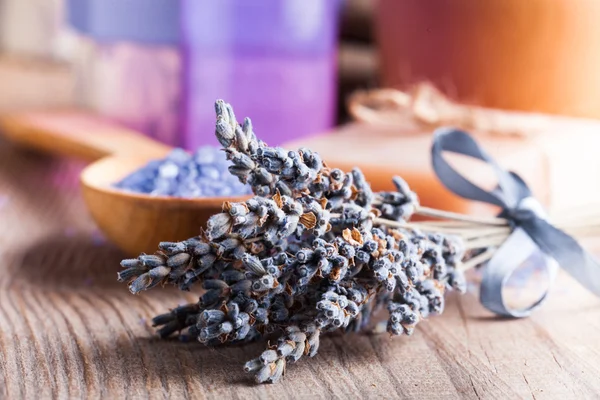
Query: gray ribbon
x=531, y=229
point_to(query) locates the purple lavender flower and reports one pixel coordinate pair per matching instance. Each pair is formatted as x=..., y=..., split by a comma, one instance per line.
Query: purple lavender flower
x=310, y=253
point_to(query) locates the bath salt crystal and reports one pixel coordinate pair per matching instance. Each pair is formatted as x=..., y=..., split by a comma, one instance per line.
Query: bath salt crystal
x=204, y=156
x=181, y=174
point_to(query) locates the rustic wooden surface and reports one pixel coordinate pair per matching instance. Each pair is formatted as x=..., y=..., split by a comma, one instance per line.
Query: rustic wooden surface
x=69, y=330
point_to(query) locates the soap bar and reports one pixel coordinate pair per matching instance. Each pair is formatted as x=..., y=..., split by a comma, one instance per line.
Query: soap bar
x=559, y=164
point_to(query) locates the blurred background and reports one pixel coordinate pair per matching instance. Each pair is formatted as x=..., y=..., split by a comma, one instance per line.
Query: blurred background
x=156, y=66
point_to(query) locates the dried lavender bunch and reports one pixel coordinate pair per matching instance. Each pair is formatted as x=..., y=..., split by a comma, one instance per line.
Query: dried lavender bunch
x=310, y=253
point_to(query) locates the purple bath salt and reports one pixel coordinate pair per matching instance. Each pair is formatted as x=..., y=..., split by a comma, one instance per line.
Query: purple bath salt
x=181, y=174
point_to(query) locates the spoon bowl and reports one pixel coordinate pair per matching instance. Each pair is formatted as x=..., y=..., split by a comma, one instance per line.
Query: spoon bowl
x=135, y=222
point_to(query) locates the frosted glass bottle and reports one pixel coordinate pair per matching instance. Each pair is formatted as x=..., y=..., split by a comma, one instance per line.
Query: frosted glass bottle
x=128, y=63
x=273, y=60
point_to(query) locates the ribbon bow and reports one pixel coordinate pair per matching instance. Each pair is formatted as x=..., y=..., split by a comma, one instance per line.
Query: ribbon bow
x=532, y=232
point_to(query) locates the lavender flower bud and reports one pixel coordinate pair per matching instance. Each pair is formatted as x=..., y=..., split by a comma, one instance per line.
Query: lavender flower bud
x=264, y=374
x=352, y=308
x=298, y=351
x=218, y=225
x=241, y=160
x=242, y=332
x=253, y=365
x=241, y=286
x=206, y=261
x=233, y=310
x=210, y=297
x=253, y=264
x=277, y=372
x=268, y=356
x=142, y=282
x=210, y=317
x=239, y=172
x=263, y=176
x=131, y=263
x=224, y=132
x=251, y=306
x=159, y=272
x=297, y=337
x=247, y=128
x=242, y=319
x=457, y=281
x=202, y=249
x=303, y=256
x=285, y=349
x=129, y=273
x=152, y=261
x=241, y=138
x=279, y=314
x=215, y=284
x=225, y=327
x=261, y=315
x=209, y=332
x=331, y=296
x=313, y=342
x=178, y=260
x=264, y=283
x=172, y=247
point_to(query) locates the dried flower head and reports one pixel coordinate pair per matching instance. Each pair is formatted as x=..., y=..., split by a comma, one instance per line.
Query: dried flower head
x=310, y=253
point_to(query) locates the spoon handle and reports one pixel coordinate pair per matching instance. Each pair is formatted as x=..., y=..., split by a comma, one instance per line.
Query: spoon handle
x=78, y=134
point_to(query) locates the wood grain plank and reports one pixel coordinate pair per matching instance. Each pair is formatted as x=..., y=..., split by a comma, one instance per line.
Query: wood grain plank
x=69, y=330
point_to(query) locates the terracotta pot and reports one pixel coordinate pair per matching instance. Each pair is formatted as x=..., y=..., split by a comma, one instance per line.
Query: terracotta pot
x=534, y=55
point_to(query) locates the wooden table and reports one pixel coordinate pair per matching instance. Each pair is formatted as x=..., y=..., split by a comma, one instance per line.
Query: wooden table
x=69, y=330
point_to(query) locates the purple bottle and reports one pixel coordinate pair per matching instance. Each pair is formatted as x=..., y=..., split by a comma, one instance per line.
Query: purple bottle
x=273, y=60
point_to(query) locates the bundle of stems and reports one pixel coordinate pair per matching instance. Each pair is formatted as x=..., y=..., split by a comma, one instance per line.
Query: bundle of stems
x=490, y=233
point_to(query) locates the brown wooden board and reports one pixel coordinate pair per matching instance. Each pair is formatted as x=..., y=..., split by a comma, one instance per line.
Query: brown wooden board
x=69, y=330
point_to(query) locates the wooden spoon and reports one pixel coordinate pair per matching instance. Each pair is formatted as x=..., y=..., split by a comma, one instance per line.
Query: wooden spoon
x=134, y=222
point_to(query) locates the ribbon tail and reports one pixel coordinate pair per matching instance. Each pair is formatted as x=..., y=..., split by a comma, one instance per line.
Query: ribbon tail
x=580, y=264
